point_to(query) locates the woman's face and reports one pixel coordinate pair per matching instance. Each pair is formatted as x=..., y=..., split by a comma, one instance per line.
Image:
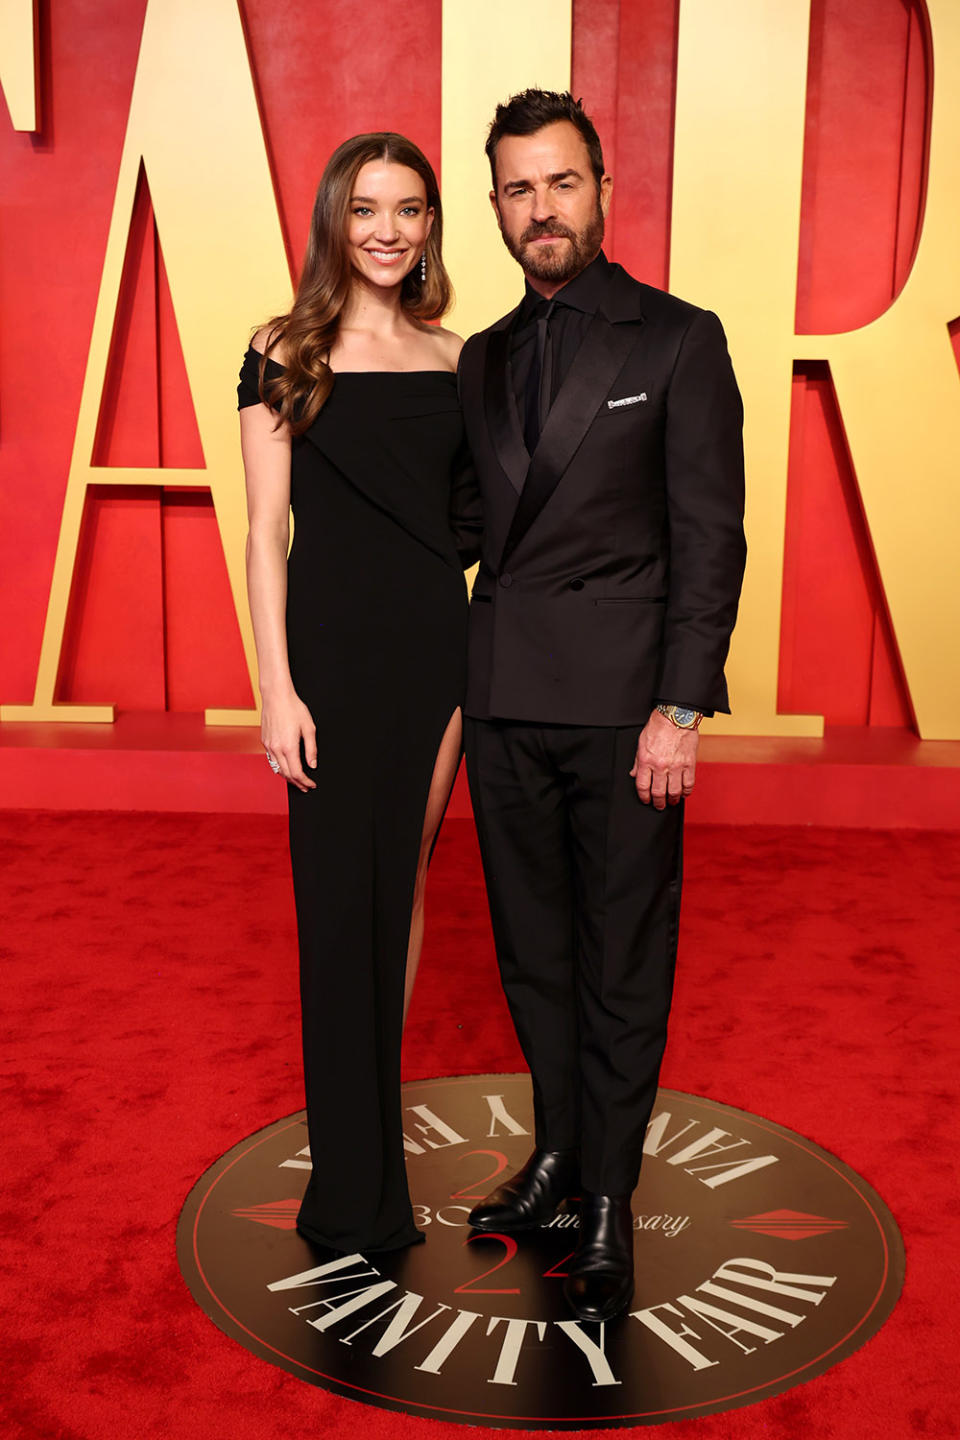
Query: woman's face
x=388, y=222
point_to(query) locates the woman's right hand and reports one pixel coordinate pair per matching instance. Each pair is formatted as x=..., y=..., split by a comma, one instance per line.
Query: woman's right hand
x=284, y=722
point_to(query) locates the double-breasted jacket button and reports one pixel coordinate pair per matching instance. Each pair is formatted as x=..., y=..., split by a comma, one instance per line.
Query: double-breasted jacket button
x=576, y=584
x=506, y=580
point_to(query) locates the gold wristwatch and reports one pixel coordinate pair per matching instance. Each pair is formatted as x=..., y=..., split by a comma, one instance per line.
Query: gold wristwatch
x=681, y=716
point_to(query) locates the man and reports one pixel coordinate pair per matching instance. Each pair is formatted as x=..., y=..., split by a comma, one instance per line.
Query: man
x=605, y=425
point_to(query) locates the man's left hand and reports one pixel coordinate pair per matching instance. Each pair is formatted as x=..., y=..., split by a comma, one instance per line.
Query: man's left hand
x=666, y=764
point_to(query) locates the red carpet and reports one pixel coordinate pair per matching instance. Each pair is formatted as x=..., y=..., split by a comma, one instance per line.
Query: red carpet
x=151, y=1022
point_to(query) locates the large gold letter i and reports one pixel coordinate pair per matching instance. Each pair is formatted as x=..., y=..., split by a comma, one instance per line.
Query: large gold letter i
x=481, y=68
x=738, y=163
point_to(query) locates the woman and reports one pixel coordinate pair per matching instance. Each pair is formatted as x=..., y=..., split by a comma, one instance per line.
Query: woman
x=349, y=413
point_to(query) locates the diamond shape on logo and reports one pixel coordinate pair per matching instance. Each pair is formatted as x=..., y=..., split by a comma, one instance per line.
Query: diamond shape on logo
x=789, y=1224
x=279, y=1214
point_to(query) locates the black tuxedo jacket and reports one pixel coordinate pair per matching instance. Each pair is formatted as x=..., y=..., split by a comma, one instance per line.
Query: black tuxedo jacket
x=613, y=556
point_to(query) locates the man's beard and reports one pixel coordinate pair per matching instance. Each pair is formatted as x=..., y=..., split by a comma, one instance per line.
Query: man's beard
x=551, y=262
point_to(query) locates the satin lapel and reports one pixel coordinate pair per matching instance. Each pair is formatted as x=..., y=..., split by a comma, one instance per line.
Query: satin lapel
x=598, y=362
x=501, y=412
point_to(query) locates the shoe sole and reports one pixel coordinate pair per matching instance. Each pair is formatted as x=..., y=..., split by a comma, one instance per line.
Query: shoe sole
x=604, y=1316
x=501, y=1229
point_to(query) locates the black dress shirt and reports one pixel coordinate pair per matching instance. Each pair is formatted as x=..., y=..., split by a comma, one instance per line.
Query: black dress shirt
x=569, y=314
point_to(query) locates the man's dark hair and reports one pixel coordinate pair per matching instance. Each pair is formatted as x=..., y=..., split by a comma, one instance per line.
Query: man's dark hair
x=530, y=111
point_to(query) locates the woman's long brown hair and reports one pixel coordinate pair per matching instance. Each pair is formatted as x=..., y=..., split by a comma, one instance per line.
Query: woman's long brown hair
x=307, y=334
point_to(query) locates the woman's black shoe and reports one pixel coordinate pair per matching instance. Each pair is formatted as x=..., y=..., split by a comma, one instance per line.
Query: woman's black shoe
x=531, y=1196
x=600, y=1274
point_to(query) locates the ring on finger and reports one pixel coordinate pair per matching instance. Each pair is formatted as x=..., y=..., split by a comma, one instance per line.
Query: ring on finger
x=274, y=763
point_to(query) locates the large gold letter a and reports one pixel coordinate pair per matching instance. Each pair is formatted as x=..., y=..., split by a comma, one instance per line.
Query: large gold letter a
x=194, y=124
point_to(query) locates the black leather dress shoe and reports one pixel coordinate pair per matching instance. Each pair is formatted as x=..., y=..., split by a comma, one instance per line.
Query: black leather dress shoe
x=532, y=1195
x=600, y=1275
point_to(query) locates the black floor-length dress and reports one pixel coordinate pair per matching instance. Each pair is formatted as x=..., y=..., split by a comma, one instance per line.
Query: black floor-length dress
x=376, y=630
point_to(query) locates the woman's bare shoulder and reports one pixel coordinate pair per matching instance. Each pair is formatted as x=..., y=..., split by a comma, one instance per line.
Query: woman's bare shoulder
x=261, y=341
x=448, y=343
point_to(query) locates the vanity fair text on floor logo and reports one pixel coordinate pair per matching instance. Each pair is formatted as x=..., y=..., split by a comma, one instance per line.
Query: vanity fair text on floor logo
x=761, y=1261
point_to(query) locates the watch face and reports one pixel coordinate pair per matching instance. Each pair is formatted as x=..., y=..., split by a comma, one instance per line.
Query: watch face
x=683, y=716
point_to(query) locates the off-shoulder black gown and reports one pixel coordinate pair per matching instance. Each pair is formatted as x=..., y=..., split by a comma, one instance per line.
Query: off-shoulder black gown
x=376, y=630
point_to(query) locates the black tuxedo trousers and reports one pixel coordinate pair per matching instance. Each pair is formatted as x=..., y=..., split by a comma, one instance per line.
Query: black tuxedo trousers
x=584, y=888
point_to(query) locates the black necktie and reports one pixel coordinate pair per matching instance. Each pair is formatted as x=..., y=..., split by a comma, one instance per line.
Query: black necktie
x=537, y=397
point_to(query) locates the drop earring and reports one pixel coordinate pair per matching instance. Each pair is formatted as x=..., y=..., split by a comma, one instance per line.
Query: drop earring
x=423, y=268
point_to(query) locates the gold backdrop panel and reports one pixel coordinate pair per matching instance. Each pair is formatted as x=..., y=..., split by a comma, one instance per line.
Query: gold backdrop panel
x=479, y=70
x=18, y=62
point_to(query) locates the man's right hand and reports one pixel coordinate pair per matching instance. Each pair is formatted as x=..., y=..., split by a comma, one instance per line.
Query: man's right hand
x=665, y=767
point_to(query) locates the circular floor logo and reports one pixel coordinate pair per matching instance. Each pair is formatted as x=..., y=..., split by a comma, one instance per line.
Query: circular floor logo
x=761, y=1261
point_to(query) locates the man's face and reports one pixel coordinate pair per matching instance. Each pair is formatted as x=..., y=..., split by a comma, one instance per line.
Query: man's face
x=547, y=203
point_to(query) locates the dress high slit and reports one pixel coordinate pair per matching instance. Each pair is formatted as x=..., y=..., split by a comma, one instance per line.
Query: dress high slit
x=376, y=633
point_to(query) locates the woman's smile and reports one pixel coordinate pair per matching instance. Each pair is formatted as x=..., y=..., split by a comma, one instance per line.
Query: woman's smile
x=385, y=257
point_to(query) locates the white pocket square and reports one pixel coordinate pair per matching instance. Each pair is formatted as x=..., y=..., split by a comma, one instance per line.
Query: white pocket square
x=627, y=400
